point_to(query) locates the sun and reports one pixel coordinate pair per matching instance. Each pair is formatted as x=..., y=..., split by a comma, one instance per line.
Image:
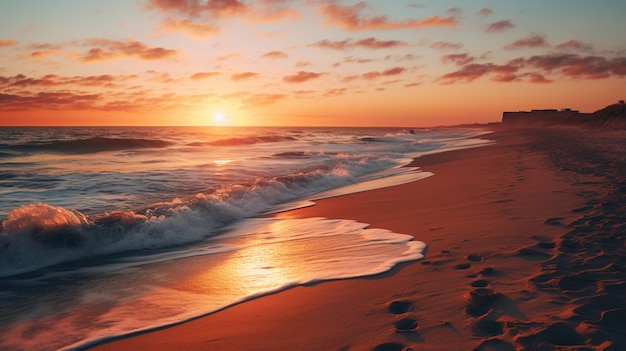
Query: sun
x=220, y=118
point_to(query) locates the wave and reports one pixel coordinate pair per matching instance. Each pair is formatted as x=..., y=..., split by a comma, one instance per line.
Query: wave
x=39, y=235
x=94, y=144
x=244, y=141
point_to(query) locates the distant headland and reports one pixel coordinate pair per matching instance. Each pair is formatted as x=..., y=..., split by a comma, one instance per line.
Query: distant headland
x=610, y=117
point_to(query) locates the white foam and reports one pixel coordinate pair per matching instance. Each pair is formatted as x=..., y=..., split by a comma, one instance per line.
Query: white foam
x=264, y=255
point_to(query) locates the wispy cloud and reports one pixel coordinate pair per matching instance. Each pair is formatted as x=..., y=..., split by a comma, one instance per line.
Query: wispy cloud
x=354, y=18
x=301, y=76
x=499, y=26
x=459, y=59
x=275, y=55
x=575, y=45
x=445, y=45
x=244, y=76
x=536, y=68
x=532, y=41
x=204, y=75
x=377, y=74
x=7, y=42
x=106, y=49
x=369, y=43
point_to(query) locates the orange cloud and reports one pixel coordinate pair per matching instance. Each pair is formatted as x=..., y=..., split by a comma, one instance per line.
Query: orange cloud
x=106, y=49
x=532, y=41
x=195, y=28
x=351, y=18
x=244, y=76
x=500, y=26
x=370, y=43
x=228, y=56
x=203, y=75
x=7, y=42
x=198, y=17
x=301, y=76
x=390, y=72
x=275, y=55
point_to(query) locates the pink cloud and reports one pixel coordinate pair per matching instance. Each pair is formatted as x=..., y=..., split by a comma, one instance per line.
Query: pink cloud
x=301, y=76
x=352, y=18
x=532, y=41
x=445, y=45
x=500, y=26
x=275, y=55
x=536, y=67
x=574, y=45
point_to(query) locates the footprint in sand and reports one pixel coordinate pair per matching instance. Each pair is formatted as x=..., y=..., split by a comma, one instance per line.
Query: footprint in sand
x=407, y=324
x=400, y=307
x=390, y=346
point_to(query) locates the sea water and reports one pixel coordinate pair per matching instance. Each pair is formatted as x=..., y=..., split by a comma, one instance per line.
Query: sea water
x=112, y=231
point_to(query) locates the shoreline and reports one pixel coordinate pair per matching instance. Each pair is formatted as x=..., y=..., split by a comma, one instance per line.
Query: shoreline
x=490, y=217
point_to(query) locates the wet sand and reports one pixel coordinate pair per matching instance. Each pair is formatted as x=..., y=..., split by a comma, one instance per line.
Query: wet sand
x=525, y=252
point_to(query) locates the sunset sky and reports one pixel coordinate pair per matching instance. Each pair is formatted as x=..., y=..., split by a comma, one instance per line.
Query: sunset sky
x=305, y=62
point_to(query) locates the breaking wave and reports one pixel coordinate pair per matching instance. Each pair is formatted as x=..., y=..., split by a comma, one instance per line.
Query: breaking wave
x=245, y=140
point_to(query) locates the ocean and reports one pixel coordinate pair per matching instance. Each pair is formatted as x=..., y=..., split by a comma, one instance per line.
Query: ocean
x=111, y=231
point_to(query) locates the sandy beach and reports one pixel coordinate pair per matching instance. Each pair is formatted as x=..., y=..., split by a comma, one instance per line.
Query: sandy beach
x=525, y=252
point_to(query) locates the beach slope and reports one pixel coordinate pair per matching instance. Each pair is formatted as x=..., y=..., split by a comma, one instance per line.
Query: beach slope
x=525, y=252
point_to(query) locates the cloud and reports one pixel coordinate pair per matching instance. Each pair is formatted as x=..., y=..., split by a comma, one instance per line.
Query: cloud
x=369, y=43
x=197, y=29
x=51, y=80
x=535, y=68
x=229, y=56
x=200, y=17
x=244, y=76
x=459, y=59
x=203, y=75
x=105, y=49
x=445, y=45
x=301, y=76
x=377, y=74
x=538, y=78
x=262, y=99
x=47, y=101
x=7, y=42
x=575, y=66
x=574, y=45
x=353, y=18
x=499, y=26
x=275, y=55
x=473, y=71
x=532, y=41
x=485, y=12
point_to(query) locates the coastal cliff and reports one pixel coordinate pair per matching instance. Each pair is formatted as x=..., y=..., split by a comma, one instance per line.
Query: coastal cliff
x=610, y=117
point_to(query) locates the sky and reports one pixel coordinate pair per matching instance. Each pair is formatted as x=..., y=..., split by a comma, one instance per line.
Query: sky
x=305, y=62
